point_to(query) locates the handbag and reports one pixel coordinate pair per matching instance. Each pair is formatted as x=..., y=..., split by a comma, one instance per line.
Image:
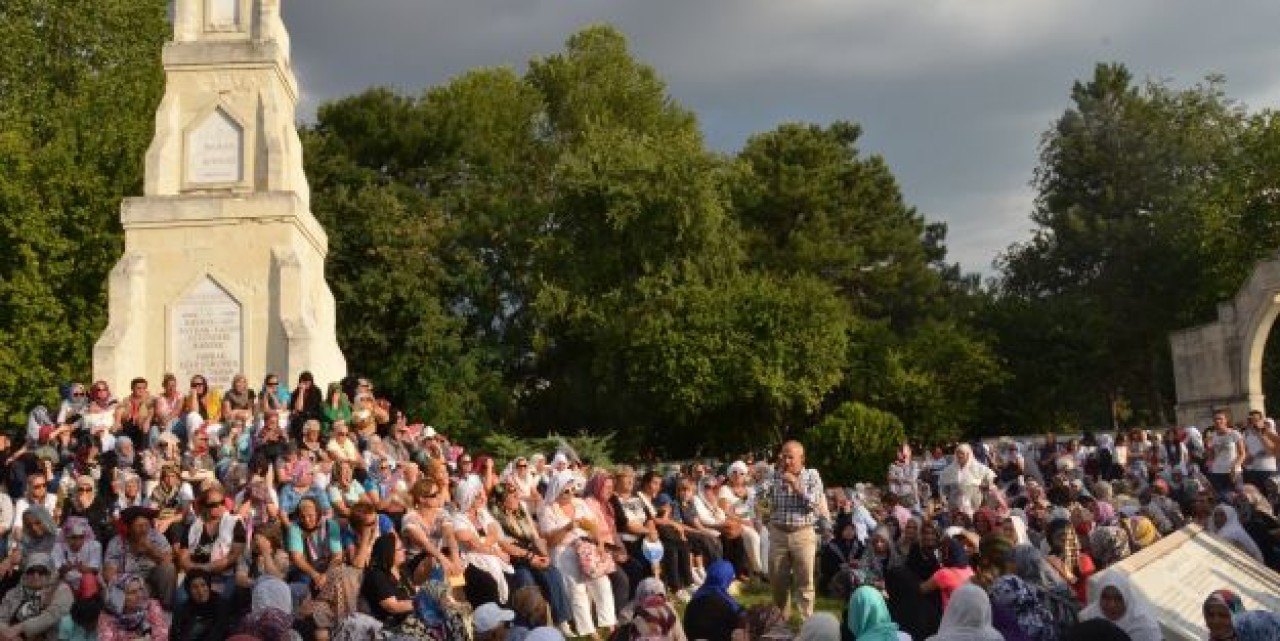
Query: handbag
x=591, y=561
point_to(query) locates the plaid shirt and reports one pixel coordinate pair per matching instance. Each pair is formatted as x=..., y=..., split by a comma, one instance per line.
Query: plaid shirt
x=796, y=510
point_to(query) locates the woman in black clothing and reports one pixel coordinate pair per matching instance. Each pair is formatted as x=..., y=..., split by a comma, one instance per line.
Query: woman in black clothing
x=306, y=405
x=838, y=553
x=200, y=618
x=713, y=614
x=85, y=502
x=389, y=596
x=918, y=614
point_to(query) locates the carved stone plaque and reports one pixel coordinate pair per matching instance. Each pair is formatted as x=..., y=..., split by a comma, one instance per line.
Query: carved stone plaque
x=224, y=14
x=215, y=150
x=206, y=335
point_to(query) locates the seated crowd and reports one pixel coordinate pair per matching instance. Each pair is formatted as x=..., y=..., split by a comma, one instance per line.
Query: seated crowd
x=280, y=513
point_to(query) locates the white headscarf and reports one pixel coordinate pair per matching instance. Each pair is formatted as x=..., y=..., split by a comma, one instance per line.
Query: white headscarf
x=968, y=617
x=1019, y=527
x=971, y=474
x=557, y=484
x=1137, y=621
x=1234, y=532
x=467, y=491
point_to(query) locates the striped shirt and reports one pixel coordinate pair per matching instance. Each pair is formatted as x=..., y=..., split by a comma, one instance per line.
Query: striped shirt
x=796, y=510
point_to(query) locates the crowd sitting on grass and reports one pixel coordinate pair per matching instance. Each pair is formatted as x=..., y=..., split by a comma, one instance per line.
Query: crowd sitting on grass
x=275, y=513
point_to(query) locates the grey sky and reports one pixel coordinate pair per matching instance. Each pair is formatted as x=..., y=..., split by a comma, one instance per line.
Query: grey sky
x=953, y=93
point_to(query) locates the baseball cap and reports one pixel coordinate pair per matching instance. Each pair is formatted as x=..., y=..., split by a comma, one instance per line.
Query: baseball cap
x=489, y=616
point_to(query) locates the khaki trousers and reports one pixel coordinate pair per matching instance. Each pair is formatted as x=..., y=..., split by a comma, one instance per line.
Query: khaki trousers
x=792, y=556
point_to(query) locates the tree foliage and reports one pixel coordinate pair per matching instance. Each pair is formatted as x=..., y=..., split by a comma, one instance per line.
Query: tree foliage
x=597, y=269
x=854, y=443
x=79, y=84
x=1153, y=204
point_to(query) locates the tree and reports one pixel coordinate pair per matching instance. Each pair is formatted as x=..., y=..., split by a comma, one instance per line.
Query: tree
x=79, y=84
x=1126, y=222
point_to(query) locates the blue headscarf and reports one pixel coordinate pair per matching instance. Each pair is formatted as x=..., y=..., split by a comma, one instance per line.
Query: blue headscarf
x=957, y=554
x=719, y=576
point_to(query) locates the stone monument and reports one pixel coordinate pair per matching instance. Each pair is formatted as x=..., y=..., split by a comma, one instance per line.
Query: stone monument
x=1218, y=365
x=223, y=267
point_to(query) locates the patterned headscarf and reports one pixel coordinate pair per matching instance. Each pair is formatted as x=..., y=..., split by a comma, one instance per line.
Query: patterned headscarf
x=1109, y=545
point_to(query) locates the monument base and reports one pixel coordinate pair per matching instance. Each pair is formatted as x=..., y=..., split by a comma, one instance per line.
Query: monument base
x=236, y=286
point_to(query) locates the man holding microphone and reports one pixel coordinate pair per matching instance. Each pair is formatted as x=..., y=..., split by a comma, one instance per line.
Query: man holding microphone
x=797, y=501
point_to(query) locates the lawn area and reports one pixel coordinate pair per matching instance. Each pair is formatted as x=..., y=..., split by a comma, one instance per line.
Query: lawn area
x=757, y=592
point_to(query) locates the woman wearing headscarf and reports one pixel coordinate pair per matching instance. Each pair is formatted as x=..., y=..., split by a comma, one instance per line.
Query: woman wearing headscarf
x=713, y=614
x=1015, y=603
x=1072, y=564
x=1226, y=524
x=598, y=496
x=964, y=480
x=1220, y=610
x=479, y=536
x=1259, y=521
x=1142, y=532
x=334, y=605
x=917, y=613
x=1257, y=625
x=1109, y=545
x=39, y=534
x=130, y=614
x=879, y=556
x=270, y=616
x=968, y=617
x=200, y=617
x=955, y=571
x=650, y=615
x=1053, y=592
x=839, y=554
x=867, y=617
x=32, y=609
x=77, y=557
x=566, y=522
x=822, y=626
x=1116, y=601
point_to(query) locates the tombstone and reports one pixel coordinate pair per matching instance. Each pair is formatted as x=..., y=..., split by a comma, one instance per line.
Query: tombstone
x=223, y=266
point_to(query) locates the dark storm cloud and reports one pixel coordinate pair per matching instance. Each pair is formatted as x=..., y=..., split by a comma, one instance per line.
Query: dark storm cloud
x=953, y=93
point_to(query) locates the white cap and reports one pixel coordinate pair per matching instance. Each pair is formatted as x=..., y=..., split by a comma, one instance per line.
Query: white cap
x=429, y=432
x=489, y=616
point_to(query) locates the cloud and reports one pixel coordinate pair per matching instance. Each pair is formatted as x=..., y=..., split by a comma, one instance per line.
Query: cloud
x=953, y=93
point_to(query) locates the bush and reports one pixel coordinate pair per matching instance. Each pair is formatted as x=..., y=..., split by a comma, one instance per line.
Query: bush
x=598, y=449
x=854, y=443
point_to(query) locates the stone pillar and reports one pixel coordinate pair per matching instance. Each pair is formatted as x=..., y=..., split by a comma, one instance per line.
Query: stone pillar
x=223, y=269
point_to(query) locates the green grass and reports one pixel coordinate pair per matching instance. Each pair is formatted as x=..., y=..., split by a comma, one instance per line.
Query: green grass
x=757, y=592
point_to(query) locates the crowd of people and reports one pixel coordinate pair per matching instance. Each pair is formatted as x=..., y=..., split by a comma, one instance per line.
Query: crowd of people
x=279, y=513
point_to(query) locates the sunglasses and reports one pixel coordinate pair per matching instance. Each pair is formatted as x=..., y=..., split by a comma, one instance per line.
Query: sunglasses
x=213, y=504
x=272, y=383
x=195, y=384
x=78, y=395
x=84, y=490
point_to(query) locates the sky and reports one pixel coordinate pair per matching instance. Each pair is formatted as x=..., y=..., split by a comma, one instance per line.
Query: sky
x=954, y=94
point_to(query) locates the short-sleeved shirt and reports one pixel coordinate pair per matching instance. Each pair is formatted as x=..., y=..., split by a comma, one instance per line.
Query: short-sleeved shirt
x=317, y=547
x=203, y=551
x=377, y=586
x=551, y=518
x=1226, y=447
x=350, y=496
x=126, y=562
x=796, y=510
